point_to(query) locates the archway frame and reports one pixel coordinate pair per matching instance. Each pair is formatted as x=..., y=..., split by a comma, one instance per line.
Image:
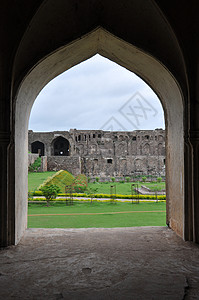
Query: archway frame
x=144, y=65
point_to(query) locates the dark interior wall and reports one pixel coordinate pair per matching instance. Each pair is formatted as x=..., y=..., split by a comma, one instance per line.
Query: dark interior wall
x=55, y=24
x=31, y=30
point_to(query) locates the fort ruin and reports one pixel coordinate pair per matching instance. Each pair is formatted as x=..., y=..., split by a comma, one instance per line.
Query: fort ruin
x=101, y=153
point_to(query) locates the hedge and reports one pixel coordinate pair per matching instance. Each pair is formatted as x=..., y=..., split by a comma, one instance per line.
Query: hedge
x=86, y=200
x=117, y=196
x=60, y=178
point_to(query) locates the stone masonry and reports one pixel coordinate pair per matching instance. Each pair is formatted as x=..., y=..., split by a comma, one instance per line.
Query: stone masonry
x=102, y=153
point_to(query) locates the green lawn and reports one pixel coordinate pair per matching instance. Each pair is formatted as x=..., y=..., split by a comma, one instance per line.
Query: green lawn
x=123, y=188
x=35, y=179
x=143, y=214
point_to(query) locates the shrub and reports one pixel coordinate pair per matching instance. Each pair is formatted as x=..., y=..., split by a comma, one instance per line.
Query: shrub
x=80, y=184
x=113, y=179
x=143, y=179
x=121, y=181
x=61, y=179
x=97, y=179
x=117, y=196
x=159, y=179
x=35, y=166
x=127, y=179
x=30, y=196
x=88, y=179
x=50, y=192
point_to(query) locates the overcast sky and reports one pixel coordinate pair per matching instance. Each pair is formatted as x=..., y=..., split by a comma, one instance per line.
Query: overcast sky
x=96, y=94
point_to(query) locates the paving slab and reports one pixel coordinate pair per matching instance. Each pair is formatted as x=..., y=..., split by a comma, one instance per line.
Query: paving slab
x=97, y=263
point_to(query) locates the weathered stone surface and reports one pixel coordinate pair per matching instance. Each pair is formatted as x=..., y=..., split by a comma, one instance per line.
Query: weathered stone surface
x=119, y=263
x=32, y=157
x=71, y=164
x=104, y=153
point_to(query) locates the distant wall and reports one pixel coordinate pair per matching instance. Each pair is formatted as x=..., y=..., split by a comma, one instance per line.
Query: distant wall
x=105, y=153
x=44, y=165
x=71, y=164
x=31, y=158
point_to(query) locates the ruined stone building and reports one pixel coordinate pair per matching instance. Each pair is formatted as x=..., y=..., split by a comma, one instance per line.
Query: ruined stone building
x=102, y=153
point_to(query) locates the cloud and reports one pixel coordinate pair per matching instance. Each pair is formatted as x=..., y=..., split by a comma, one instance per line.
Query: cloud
x=88, y=95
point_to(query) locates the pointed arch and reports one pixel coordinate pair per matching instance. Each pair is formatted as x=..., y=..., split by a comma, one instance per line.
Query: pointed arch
x=134, y=59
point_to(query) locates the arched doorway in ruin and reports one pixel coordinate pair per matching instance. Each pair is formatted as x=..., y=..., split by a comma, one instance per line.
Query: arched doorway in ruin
x=148, y=68
x=60, y=147
x=38, y=147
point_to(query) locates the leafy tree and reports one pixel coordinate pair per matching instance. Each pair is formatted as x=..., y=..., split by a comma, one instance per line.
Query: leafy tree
x=113, y=179
x=144, y=179
x=159, y=179
x=50, y=192
x=127, y=179
x=97, y=179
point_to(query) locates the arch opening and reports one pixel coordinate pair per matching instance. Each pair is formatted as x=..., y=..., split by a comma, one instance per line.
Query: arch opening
x=135, y=60
x=60, y=147
x=38, y=147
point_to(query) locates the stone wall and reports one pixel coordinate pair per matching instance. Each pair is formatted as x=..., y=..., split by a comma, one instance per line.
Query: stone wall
x=105, y=153
x=71, y=164
x=31, y=158
x=44, y=166
x=123, y=166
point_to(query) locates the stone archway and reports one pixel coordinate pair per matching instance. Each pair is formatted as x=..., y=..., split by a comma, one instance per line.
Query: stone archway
x=148, y=68
x=38, y=147
x=61, y=147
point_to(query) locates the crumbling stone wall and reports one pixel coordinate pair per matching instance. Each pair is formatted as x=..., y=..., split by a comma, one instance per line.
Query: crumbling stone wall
x=104, y=153
x=71, y=164
x=31, y=158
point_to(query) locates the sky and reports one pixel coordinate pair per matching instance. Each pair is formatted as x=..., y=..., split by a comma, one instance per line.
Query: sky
x=96, y=94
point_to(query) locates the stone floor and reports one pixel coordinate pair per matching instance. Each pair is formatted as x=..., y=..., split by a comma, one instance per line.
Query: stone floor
x=124, y=263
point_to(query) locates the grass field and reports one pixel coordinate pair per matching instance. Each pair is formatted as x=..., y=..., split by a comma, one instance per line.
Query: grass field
x=123, y=188
x=105, y=215
x=35, y=179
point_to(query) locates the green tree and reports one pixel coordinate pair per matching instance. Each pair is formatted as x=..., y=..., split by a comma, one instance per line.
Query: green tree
x=50, y=192
x=159, y=179
x=127, y=179
x=113, y=179
x=144, y=179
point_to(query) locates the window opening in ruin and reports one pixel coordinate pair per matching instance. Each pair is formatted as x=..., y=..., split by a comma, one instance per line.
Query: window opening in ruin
x=37, y=147
x=109, y=161
x=94, y=136
x=61, y=147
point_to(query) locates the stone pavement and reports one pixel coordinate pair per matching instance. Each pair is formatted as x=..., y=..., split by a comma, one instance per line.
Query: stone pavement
x=96, y=263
